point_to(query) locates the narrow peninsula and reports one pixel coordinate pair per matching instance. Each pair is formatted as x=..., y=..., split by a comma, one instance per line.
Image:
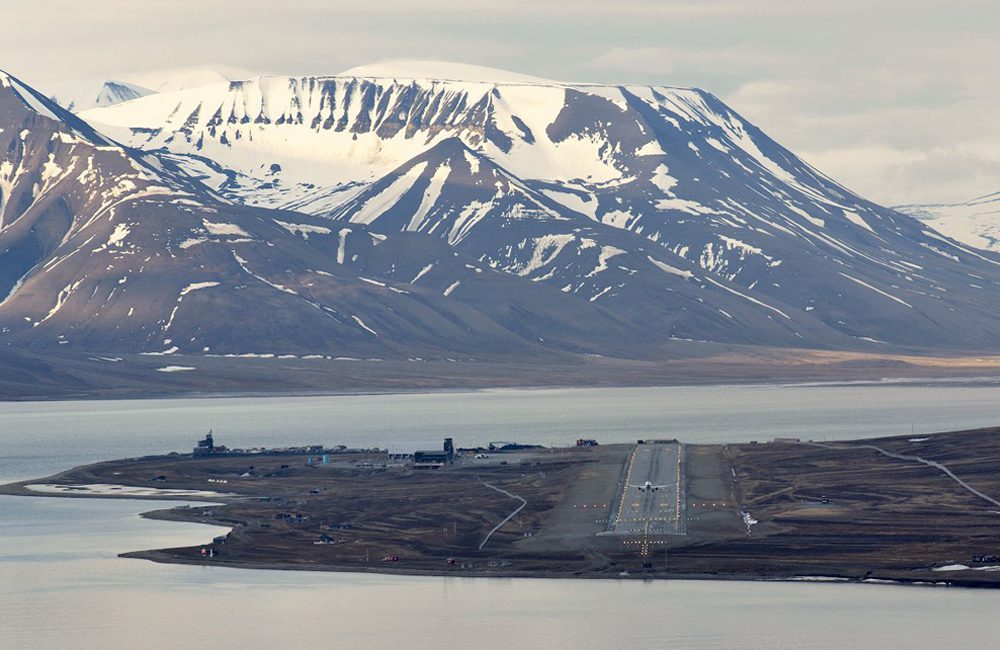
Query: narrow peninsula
x=922, y=510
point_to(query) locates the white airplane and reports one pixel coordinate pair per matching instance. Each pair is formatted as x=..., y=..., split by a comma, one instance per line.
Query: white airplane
x=647, y=487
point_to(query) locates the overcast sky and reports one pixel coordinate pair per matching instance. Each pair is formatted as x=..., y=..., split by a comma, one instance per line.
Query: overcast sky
x=898, y=100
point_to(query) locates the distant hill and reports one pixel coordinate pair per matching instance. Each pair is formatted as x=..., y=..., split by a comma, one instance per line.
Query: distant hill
x=975, y=222
x=525, y=225
x=662, y=206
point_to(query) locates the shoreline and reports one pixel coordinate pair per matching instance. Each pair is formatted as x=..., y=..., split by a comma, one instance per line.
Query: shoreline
x=163, y=556
x=245, y=504
x=45, y=377
x=159, y=556
x=957, y=381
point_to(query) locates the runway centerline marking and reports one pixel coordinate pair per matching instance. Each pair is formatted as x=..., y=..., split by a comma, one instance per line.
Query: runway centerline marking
x=649, y=512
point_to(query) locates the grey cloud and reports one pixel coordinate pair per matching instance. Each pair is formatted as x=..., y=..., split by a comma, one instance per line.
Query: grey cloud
x=905, y=78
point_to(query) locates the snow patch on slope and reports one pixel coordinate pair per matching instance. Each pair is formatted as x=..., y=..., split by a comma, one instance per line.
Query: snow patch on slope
x=224, y=229
x=378, y=204
x=303, y=229
x=672, y=270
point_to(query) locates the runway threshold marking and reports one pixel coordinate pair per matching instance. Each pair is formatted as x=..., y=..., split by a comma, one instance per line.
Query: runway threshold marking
x=648, y=525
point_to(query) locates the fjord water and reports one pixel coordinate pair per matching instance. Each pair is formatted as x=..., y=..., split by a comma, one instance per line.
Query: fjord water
x=61, y=584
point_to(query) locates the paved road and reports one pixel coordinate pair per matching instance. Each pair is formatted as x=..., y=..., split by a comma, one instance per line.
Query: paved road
x=644, y=511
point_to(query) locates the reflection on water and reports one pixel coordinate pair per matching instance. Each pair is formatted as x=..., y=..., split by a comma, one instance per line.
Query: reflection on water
x=61, y=584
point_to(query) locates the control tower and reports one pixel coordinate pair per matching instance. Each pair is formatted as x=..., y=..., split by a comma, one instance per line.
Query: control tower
x=205, y=447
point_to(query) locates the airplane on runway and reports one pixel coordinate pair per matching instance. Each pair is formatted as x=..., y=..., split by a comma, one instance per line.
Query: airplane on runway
x=647, y=487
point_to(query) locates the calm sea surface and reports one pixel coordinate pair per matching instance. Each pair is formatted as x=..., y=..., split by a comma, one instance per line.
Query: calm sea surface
x=61, y=584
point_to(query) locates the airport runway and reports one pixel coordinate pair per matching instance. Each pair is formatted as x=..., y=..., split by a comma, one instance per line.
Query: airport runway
x=659, y=508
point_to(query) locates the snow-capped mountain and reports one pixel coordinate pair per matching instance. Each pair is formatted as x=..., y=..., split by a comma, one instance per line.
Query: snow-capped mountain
x=111, y=93
x=660, y=205
x=84, y=94
x=88, y=94
x=975, y=222
x=185, y=78
x=106, y=249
